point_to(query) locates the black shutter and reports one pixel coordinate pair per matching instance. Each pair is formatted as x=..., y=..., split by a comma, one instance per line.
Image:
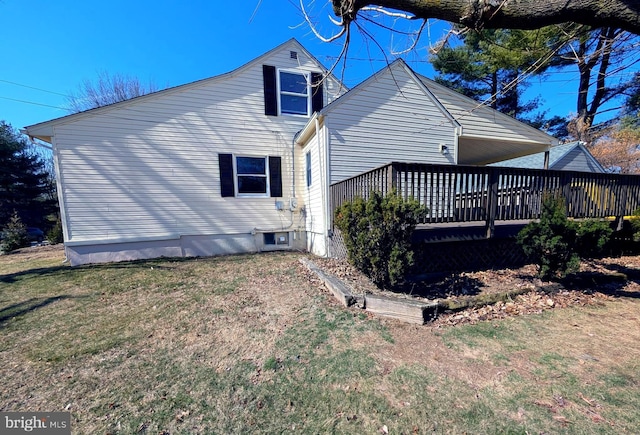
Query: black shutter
x=226, y=174
x=275, y=176
x=270, y=90
x=317, y=99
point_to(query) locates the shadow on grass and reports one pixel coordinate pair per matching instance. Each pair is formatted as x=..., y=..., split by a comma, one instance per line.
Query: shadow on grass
x=613, y=281
x=443, y=286
x=45, y=271
x=612, y=284
x=28, y=306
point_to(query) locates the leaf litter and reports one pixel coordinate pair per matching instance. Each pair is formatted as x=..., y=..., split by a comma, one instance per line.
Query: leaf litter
x=508, y=292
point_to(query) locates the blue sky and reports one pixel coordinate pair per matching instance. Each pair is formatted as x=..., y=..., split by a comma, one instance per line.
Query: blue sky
x=50, y=47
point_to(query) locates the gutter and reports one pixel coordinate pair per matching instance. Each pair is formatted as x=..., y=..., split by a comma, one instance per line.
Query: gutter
x=33, y=139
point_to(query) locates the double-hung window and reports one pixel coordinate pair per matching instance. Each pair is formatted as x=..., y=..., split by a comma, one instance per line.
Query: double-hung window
x=251, y=175
x=294, y=93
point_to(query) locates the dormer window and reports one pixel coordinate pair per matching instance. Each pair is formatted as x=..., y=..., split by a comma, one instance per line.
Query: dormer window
x=294, y=93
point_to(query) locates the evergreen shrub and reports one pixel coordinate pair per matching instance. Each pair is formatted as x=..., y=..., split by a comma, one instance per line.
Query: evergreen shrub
x=556, y=243
x=635, y=225
x=593, y=235
x=14, y=235
x=377, y=234
x=551, y=242
x=55, y=235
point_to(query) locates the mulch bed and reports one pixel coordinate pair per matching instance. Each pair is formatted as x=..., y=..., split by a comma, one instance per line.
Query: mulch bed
x=496, y=294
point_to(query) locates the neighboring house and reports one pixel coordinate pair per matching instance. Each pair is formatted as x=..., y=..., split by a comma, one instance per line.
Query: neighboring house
x=242, y=162
x=573, y=156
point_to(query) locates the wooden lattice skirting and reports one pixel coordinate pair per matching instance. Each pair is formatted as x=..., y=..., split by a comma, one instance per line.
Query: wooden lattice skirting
x=468, y=255
x=453, y=256
x=337, y=249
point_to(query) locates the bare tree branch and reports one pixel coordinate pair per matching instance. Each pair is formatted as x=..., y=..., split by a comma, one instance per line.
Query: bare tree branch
x=107, y=89
x=388, y=12
x=343, y=30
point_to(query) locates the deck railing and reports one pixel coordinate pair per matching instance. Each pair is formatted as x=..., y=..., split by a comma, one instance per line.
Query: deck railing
x=474, y=193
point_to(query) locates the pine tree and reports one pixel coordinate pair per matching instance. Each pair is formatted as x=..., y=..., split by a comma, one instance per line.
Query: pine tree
x=488, y=66
x=25, y=184
x=495, y=66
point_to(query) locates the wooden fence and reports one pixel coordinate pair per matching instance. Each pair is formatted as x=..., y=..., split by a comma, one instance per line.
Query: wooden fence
x=486, y=194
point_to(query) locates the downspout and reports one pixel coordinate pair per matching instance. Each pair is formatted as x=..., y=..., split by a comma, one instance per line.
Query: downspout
x=293, y=164
x=456, y=144
x=61, y=197
x=327, y=194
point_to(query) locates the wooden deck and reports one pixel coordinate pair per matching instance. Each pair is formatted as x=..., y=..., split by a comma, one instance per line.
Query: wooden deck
x=480, y=202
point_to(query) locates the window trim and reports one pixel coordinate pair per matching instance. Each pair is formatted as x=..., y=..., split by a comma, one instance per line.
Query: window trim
x=280, y=92
x=266, y=174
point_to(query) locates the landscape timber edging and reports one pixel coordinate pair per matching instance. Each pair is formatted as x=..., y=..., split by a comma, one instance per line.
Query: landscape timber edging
x=402, y=309
x=405, y=310
x=337, y=287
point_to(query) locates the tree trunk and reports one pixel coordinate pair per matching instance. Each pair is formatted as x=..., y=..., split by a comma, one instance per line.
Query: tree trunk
x=494, y=90
x=513, y=14
x=586, y=111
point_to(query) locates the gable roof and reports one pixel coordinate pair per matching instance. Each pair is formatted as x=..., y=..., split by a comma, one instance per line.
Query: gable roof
x=474, y=116
x=485, y=135
x=44, y=130
x=397, y=66
x=488, y=135
x=556, y=156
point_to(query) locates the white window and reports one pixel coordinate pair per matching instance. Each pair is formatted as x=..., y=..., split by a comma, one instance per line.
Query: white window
x=252, y=178
x=294, y=91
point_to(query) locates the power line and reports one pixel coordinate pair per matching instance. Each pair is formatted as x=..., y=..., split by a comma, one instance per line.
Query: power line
x=33, y=87
x=32, y=102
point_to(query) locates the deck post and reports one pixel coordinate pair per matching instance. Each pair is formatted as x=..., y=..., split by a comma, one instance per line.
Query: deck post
x=492, y=203
x=546, y=160
x=565, y=191
x=392, y=181
x=622, y=205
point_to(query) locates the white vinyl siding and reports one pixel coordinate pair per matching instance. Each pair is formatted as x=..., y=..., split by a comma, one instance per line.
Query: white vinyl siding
x=149, y=168
x=392, y=118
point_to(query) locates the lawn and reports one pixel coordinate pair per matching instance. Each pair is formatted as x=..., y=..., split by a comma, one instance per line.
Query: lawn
x=250, y=344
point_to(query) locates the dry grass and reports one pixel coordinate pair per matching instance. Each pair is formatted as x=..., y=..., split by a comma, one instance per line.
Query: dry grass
x=254, y=344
